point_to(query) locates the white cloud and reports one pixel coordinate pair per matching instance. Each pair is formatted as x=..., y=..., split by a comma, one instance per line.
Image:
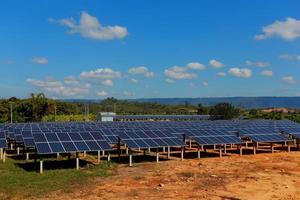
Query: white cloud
x=141, y=70
x=289, y=57
x=266, y=73
x=221, y=74
x=102, y=93
x=289, y=79
x=285, y=56
x=169, y=80
x=195, y=65
x=107, y=82
x=57, y=88
x=90, y=27
x=101, y=73
x=133, y=80
x=176, y=72
x=71, y=80
x=126, y=93
x=39, y=60
x=205, y=83
x=216, y=64
x=240, y=72
x=257, y=63
x=287, y=30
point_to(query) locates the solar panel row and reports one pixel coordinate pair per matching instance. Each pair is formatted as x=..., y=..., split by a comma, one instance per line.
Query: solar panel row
x=148, y=134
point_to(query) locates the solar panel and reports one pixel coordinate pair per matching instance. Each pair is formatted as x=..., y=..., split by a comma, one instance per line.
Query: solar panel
x=216, y=140
x=2, y=140
x=65, y=142
x=149, y=139
x=269, y=138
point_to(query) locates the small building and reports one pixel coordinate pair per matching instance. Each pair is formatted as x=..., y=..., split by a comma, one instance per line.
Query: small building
x=106, y=116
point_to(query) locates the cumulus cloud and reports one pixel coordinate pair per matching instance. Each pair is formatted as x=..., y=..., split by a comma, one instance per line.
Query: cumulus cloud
x=266, y=73
x=289, y=79
x=89, y=26
x=287, y=30
x=57, y=88
x=195, y=65
x=107, y=82
x=39, y=60
x=176, y=72
x=133, y=80
x=240, y=72
x=101, y=73
x=71, y=80
x=216, y=64
x=257, y=63
x=205, y=83
x=102, y=94
x=141, y=70
x=167, y=80
x=221, y=74
x=286, y=56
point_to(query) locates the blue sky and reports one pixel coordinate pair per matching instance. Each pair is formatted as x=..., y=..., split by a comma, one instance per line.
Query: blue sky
x=146, y=49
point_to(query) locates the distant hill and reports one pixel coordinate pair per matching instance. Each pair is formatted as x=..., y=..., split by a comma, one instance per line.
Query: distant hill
x=244, y=102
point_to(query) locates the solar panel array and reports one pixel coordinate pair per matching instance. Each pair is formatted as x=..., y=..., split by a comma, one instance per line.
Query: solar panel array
x=93, y=136
x=149, y=138
x=162, y=117
x=71, y=141
x=2, y=139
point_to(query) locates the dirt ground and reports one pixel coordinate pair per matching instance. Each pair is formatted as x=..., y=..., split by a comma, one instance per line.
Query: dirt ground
x=261, y=176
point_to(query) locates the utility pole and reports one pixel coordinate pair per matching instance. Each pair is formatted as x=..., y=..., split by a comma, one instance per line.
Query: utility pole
x=11, y=113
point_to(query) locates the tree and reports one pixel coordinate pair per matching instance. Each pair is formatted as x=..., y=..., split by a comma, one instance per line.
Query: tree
x=39, y=105
x=201, y=110
x=225, y=110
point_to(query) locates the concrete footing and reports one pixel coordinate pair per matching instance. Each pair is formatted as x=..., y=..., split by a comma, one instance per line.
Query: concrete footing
x=98, y=156
x=77, y=161
x=41, y=166
x=130, y=158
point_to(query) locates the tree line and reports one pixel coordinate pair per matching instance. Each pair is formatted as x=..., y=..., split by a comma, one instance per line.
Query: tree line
x=38, y=108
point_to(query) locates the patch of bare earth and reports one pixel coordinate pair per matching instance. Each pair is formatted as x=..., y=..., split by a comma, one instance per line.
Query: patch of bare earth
x=263, y=176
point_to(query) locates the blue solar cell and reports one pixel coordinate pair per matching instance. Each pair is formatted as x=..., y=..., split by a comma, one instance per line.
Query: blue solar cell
x=64, y=136
x=39, y=137
x=69, y=146
x=93, y=146
x=160, y=142
x=151, y=143
x=3, y=143
x=104, y=145
x=81, y=146
x=75, y=136
x=43, y=148
x=56, y=147
x=131, y=143
x=86, y=136
x=97, y=135
x=51, y=137
x=26, y=134
x=141, y=143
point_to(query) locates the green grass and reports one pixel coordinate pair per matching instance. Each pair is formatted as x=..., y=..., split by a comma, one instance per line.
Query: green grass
x=16, y=182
